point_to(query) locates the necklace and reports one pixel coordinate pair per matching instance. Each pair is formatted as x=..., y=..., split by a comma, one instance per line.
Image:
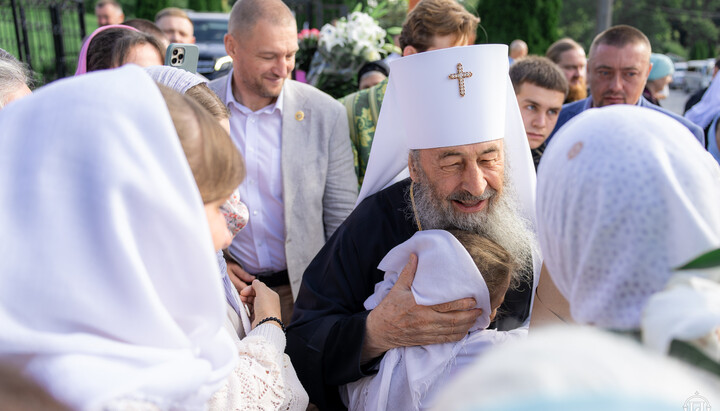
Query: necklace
x=412, y=202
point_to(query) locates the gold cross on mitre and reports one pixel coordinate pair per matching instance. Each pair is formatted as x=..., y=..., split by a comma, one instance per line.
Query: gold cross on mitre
x=460, y=76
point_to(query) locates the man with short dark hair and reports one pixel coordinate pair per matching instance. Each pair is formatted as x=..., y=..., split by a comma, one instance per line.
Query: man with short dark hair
x=108, y=12
x=618, y=69
x=176, y=25
x=570, y=57
x=540, y=88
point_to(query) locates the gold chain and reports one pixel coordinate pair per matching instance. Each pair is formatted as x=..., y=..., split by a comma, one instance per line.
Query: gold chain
x=412, y=202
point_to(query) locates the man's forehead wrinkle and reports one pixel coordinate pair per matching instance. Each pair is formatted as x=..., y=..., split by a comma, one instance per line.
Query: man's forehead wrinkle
x=446, y=154
x=452, y=153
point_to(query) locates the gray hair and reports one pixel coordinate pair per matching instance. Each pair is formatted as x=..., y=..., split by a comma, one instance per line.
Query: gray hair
x=13, y=74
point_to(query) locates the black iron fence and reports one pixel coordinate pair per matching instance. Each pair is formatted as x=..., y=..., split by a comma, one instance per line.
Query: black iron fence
x=45, y=34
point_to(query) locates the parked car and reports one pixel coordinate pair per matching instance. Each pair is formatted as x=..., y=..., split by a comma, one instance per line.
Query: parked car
x=678, y=78
x=210, y=28
x=699, y=74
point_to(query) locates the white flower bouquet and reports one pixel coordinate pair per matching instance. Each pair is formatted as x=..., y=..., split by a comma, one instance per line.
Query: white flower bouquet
x=342, y=49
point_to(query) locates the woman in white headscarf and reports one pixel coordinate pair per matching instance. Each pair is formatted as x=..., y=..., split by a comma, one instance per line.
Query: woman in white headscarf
x=128, y=308
x=238, y=322
x=624, y=198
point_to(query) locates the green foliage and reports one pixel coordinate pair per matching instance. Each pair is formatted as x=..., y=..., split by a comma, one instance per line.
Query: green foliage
x=206, y=5
x=215, y=5
x=687, y=28
x=394, y=16
x=700, y=50
x=146, y=9
x=506, y=20
x=197, y=5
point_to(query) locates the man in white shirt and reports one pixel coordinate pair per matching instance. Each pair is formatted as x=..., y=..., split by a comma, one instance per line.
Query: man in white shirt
x=300, y=182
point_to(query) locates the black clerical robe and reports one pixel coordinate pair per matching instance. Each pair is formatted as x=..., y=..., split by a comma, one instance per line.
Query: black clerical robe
x=325, y=337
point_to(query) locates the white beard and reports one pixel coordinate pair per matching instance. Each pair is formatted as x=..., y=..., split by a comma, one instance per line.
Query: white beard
x=500, y=221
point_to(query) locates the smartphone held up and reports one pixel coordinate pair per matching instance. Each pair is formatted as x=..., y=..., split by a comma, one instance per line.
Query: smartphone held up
x=181, y=55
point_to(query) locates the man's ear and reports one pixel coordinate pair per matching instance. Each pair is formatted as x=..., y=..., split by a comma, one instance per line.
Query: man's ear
x=411, y=167
x=409, y=50
x=230, y=45
x=649, y=69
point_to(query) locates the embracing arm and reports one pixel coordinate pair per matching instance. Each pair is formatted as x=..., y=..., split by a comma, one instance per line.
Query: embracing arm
x=399, y=322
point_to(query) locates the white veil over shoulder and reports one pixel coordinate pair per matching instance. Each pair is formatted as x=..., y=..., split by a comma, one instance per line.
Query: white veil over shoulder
x=110, y=288
x=408, y=373
x=624, y=197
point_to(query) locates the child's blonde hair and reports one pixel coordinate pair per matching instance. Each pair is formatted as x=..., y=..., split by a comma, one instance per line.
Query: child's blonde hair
x=215, y=162
x=494, y=262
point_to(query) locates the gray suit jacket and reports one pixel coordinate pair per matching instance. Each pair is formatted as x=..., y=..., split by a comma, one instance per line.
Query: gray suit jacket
x=319, y=181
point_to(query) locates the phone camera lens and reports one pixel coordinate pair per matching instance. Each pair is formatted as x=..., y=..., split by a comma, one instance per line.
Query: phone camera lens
x=174, y=60
x=175, y=52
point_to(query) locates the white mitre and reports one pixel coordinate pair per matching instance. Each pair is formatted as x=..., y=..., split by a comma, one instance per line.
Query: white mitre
x=451, y=97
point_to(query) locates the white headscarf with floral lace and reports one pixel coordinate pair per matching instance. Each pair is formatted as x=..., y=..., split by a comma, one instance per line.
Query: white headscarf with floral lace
x=110, y=288
x=624, y=197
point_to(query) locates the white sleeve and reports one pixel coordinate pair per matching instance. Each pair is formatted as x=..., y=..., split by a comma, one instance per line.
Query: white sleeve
x=264, y=378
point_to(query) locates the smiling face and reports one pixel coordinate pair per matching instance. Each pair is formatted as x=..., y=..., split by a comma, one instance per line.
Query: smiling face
x=617, y=75
x=539, y=108
x=263, y=57
x=464, y=179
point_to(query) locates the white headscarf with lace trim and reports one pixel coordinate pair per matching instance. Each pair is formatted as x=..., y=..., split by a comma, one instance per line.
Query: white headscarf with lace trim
x=110, y=288
x=624, y=197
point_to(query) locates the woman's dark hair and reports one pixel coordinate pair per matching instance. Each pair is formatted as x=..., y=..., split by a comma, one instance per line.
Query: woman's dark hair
x=109, y=48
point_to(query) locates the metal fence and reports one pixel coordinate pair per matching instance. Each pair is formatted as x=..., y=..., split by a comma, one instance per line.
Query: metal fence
x=45, y=34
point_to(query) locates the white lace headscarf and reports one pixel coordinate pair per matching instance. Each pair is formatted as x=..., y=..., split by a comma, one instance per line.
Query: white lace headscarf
x=109, y=285
x=624, y=196
x=575, y=368
x=177, y=79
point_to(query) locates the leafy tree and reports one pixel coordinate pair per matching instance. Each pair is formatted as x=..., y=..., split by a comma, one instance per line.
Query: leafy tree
x=146, y=9
x=214, y=5
x=506, y=20
x=687, y=28
x=197, y=5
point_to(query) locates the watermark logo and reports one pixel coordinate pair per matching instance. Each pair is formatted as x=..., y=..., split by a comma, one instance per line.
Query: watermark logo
x=697, y=403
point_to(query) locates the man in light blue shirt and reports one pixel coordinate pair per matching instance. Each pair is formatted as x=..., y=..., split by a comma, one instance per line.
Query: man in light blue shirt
x=618, y=68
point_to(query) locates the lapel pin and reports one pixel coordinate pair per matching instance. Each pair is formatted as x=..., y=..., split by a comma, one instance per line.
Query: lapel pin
x=299, y=116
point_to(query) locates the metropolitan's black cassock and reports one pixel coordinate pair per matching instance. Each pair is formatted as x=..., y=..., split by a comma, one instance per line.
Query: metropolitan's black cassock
x=325, y=337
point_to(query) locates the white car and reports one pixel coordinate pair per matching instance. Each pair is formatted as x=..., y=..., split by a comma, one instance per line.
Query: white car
x=699, y=74
x=678, y=77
